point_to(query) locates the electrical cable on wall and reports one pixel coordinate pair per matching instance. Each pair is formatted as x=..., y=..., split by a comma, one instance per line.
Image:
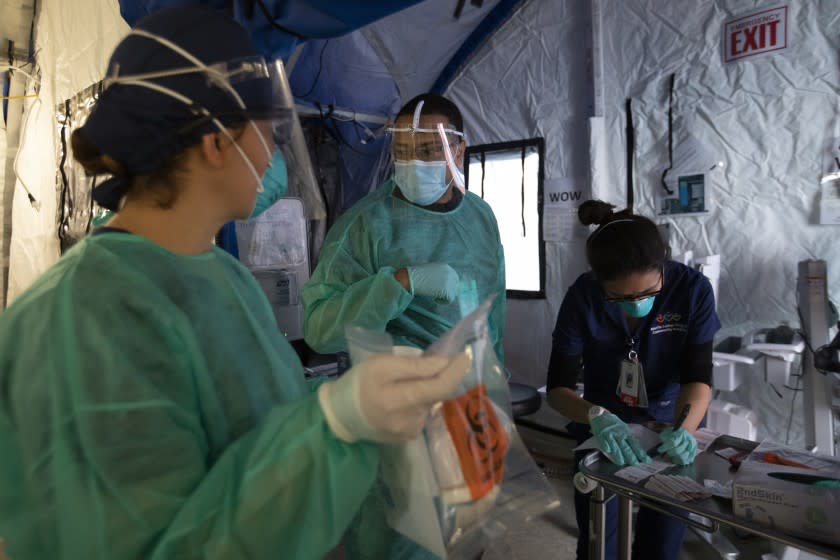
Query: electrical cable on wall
x=631, y=148
x=65, y=203
x=796, y=390
x=91, y=204
x=270, y=19
x=317, y=74
x=459, y=7
x=483, y=174
x=24, y=129
x=524, y=234
x=320, y=179
x=670, y=134
x=336, y=131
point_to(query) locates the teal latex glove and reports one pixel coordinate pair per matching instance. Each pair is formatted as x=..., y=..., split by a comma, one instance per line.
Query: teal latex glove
x=679, y=445
x=834, y=484
x=436, y=280
x=617, y=442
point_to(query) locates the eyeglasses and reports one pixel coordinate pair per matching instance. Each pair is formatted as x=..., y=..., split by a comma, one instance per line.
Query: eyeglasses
x=425, y=144
x=423, y=152
x=633, y=299
x=637, y=297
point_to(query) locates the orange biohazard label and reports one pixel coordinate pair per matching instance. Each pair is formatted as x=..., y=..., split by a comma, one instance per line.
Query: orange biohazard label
x=480, y=439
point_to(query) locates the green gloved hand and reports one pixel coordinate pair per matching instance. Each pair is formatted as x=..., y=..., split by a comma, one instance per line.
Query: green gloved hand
x=679, y=445
x=437, y=280
x=616, y=440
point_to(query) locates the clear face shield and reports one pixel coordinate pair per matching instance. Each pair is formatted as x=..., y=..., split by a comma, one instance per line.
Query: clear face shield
x=270, y=111
x=437, y=147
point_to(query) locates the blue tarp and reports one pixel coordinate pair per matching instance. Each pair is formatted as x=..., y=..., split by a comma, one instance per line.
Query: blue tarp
x=302, y=19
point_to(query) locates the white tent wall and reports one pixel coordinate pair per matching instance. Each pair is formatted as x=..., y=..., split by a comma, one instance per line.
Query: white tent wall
x=13, y=124
x=16, y=22
x=531, y=79
x=767, y=117
x=15, y=27
x=73, y=41
x=34, y=243
x=11, y=136
x=416, y=43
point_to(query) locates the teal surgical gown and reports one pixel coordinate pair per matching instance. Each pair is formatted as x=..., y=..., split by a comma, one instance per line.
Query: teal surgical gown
x=354, y=281
x=149, y=408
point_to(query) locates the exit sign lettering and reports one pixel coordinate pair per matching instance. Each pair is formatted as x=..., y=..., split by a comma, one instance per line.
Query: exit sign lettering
x=756, y=33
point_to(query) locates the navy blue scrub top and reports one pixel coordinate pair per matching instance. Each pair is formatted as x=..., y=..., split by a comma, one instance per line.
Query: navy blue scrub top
x=683, y=314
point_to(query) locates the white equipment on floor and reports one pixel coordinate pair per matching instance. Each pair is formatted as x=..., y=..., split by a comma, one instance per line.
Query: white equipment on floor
x=818, y=383
x=732, y=366
x=777, y=356
x=274, y=246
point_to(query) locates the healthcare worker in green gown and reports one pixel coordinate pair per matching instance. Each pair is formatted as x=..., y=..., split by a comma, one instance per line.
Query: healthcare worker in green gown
x=414, y=255
x=149, y=407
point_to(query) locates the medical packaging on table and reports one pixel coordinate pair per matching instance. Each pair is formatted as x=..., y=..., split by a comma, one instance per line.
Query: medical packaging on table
x=791, y=491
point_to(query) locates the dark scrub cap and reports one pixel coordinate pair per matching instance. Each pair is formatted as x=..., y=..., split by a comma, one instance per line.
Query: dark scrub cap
x=143, y=129
x=623, y=244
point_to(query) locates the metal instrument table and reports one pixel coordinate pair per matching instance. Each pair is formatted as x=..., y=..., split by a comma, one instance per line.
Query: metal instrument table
x=717, y=511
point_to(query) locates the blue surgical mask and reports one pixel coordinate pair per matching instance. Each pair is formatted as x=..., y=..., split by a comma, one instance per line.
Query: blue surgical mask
x=637, y=308
x=421, y=182
x=275, y=183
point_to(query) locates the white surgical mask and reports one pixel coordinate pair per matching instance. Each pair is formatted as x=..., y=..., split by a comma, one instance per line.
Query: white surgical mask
x=421, y=182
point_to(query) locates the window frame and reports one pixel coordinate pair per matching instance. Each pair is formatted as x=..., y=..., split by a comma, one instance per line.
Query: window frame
x=521, y=145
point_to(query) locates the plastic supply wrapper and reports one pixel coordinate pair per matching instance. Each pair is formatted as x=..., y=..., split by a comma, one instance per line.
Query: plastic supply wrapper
x=76, y=208
x=275, y=239
x=789, y=490
x=468, y=477
x=777, y=454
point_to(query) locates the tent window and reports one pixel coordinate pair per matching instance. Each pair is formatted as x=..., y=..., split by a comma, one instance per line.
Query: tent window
x=509, y=177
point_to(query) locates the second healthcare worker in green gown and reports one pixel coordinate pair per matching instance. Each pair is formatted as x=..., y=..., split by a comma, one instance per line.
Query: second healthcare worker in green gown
x=149, y=406
x=414, y=255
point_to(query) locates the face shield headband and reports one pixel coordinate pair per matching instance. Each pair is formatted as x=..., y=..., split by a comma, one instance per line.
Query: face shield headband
x=427, y=145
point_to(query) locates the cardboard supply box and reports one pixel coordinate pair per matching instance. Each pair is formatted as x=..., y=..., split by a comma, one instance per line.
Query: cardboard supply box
x=784, y=498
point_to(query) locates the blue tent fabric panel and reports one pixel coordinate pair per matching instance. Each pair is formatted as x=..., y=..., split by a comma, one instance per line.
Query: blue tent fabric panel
x=226, y=239
x=493, y=21
x=301, y=18
x=345, y=72
x=134, y=10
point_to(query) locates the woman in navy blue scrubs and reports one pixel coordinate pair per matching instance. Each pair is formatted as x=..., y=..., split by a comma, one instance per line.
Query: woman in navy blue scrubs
x=637, y=318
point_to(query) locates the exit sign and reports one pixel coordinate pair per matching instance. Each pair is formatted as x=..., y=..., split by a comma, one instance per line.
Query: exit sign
x=755, y=33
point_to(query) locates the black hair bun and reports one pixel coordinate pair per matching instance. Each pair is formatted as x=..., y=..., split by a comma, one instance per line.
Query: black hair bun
x=595, y=212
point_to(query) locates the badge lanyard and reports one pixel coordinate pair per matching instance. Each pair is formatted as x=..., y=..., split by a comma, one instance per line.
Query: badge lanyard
x=631, y=379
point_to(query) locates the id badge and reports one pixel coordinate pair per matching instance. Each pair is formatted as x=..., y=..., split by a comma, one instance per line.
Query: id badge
x=631, y=382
